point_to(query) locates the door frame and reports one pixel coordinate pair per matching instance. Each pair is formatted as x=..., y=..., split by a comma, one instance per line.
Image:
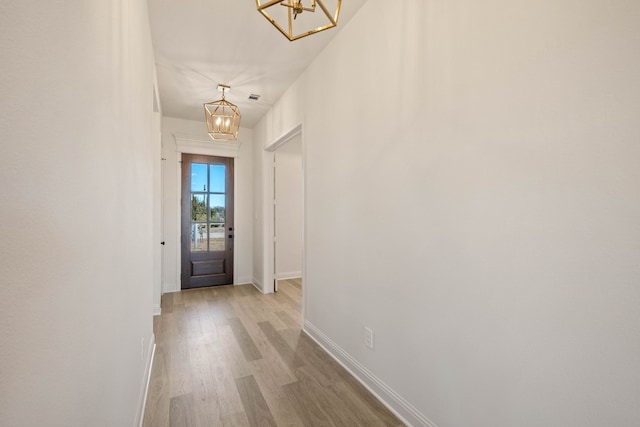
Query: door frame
x=191, y=144
x=269, y=217
x=227, y=229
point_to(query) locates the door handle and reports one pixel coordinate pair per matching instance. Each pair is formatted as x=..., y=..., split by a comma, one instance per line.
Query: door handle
x=162, y=243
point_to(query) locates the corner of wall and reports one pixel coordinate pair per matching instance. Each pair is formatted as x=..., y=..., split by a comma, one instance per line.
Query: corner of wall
x=146, y=380
x=257, y=284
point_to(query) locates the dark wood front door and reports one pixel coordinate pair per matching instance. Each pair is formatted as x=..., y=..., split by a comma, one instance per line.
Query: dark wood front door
x=207, y=221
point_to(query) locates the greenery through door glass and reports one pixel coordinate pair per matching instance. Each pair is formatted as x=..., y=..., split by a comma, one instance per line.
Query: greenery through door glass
x=199, y=210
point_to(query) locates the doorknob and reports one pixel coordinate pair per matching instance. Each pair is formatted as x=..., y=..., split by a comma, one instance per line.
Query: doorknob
x=162, y=243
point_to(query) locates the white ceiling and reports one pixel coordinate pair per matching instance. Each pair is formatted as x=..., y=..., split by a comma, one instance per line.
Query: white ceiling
x=201, y=43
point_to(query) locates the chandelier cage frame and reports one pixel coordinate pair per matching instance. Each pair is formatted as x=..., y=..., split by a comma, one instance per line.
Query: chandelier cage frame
x=295, y=8
x=222, y=118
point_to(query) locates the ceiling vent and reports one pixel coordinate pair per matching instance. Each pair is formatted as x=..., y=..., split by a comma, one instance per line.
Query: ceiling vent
x=254, y=97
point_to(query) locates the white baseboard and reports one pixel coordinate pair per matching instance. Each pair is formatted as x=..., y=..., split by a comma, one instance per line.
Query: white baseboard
x=407, y=413
x=258, y=288
x=170, y=287
x=144, y=390
x=258, y=285
x=289, y=275
x=243, y=280
x=157, y=311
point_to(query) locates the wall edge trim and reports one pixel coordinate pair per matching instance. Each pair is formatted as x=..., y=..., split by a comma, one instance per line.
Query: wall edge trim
x=195, y=144
x=284, y=138
x=144, y=391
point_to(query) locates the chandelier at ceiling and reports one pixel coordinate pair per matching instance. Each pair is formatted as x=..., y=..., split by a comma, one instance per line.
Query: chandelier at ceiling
x=287, y=20
x=222, y=117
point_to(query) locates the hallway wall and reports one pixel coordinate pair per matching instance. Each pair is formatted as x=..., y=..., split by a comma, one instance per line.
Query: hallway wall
x=76, y=211
x=484, y=158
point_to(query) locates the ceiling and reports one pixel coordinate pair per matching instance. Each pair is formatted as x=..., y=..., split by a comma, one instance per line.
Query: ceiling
x=201, y=43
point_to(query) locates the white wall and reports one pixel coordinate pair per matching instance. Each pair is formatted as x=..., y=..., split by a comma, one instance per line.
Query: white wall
x=76, y=211
x=477, y=165
x=288, y=192
x=243, y=198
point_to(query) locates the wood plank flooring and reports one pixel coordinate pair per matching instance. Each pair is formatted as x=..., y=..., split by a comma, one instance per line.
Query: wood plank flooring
x=230, y=356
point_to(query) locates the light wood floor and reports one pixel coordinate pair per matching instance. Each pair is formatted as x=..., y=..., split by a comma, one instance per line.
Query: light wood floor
x=230, y=356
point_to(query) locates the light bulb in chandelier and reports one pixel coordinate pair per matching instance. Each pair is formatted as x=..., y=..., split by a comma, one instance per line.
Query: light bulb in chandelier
x=298, y=7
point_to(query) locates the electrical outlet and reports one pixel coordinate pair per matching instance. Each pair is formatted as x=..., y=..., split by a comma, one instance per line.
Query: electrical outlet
x=368, y=337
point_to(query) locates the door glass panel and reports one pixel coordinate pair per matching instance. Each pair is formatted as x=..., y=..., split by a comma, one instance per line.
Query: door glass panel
x=198, y=207
x=198, y=177
x=199, y=221
x=216, y=207
x=217, y=218
x=216, y=237
x=198, y=237
x=217, y=182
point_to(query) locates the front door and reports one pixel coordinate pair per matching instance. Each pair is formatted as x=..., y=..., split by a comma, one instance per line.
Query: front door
x=207, y=221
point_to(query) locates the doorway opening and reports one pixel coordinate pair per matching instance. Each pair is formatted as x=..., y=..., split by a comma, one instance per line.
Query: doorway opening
x=270, y=270
x=288, y=211
x=207, y=221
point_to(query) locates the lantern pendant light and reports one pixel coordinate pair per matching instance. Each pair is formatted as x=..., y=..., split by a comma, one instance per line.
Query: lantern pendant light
x=222, y=117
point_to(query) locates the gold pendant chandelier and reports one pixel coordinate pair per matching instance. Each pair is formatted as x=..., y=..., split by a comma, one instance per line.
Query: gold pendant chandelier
x=222, y=117
x=286, y=19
